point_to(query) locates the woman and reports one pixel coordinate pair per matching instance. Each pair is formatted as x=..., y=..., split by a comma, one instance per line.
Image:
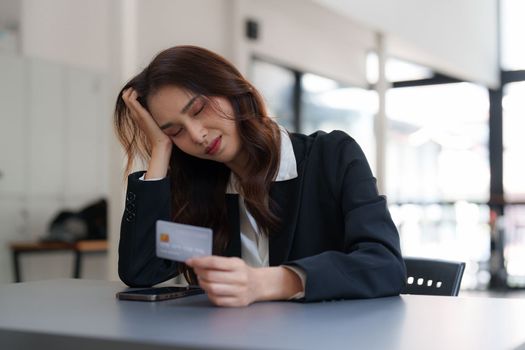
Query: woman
x=294, y=216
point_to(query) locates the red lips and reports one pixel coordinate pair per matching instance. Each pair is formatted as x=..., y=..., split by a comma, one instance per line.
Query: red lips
x=214, y=146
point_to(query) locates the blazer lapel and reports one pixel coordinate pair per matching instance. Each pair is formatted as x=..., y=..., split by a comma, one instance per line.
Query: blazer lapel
x=232, y=208
x=286, y=196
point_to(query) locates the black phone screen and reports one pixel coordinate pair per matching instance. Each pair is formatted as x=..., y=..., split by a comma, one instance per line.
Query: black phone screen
x=159, y=293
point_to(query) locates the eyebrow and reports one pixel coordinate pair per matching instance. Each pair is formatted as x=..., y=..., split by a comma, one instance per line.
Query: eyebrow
x=182, y=111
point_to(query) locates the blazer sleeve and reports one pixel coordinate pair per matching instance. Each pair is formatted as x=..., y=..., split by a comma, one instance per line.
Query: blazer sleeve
x=369, y=264
x=146, y=202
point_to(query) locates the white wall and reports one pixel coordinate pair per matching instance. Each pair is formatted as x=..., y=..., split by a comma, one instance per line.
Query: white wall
x=73, y=32
x=456, y=37
x=165, y=23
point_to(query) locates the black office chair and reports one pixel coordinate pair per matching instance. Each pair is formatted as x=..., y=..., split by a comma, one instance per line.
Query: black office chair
x=433, y=277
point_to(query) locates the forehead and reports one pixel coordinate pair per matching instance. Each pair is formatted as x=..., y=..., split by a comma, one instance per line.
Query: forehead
x=168, y=100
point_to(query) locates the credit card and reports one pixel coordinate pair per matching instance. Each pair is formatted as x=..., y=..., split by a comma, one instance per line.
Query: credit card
x=180, y=242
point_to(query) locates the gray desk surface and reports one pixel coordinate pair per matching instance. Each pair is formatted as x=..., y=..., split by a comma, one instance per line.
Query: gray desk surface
x=84, y=314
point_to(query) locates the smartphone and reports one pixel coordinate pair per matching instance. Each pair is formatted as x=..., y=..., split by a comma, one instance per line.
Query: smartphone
x=160, y=293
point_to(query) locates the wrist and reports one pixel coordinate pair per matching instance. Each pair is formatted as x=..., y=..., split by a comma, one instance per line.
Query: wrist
x=277, y=283
x=162, y=148
x=159, y=162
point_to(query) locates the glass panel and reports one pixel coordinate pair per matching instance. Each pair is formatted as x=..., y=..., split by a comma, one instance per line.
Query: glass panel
x=438, y=143
x=437, y=159
x=512, y=34
x=458, y=232
x=513, y=141
x=515, y=244
x=395, y=70
x=327, y=106
x=276, y=84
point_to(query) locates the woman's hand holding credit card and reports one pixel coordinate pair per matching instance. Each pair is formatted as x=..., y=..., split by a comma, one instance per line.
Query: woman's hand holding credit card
x=227, y=281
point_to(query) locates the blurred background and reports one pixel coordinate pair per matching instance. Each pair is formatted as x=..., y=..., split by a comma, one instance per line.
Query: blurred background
x=434, y=92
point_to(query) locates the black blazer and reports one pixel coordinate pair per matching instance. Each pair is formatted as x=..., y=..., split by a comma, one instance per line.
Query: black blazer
x=335, y=226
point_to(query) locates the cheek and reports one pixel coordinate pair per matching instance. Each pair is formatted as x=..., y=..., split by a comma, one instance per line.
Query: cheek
x=235, y=135
x=181, y=144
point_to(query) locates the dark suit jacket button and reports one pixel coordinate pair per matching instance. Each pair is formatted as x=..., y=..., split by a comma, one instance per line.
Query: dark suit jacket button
x=130, y=217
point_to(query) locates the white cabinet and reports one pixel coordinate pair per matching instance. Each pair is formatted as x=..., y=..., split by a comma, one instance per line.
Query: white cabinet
x=14, y=133
x=46, y=130
x=53, y=150
x=85, y=137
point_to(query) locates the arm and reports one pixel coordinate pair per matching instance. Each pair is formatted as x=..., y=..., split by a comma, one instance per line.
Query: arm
x=160, y=143
x=368, y=262
x=146, y=202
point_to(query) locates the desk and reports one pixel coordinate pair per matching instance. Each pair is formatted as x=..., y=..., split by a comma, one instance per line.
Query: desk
x=84, y=314
x=79, y=248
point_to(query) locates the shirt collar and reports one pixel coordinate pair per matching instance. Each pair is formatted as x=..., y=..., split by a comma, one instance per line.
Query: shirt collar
x=287, y=165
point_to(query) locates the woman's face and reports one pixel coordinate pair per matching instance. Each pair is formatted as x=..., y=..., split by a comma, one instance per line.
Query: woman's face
x=199, y=126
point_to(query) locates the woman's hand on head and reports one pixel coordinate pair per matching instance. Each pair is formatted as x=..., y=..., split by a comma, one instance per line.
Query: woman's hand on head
x=156, y=137
x=160, y=143
x=227, y=281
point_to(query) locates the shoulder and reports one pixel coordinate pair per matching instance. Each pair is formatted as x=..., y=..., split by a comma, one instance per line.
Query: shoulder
x=335, y=144
x=332, y=158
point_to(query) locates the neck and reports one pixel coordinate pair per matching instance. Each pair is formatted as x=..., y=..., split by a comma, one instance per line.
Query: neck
x=239, y=165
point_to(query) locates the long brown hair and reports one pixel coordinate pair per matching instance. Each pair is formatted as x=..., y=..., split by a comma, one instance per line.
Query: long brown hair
x=198, y=186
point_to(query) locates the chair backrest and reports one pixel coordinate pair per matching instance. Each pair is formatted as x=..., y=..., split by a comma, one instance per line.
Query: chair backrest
x=433, y=277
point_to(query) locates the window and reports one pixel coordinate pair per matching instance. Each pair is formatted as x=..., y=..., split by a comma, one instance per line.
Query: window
x=327, y=105
x=324, y=104
x=514, y=182
x=513, y=141
x=514, y=221
x=448, y=231
x=438, y=174
x=395, y=70
x=512, y=34
x=276, y=84
x=438, y=143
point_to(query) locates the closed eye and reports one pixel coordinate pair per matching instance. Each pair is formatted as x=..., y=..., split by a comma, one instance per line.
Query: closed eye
x=177, y=133
x=200, y=109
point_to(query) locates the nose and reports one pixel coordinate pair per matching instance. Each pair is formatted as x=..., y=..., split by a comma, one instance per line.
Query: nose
x=197, y=131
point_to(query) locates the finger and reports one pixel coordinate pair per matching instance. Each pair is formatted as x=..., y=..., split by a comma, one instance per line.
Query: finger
x=135, y=102
x=138, y=112
x=213, y=262
x=126, y=97
x=130, y=99
x=220, y=289
x=126, y=93
x=219, y=276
